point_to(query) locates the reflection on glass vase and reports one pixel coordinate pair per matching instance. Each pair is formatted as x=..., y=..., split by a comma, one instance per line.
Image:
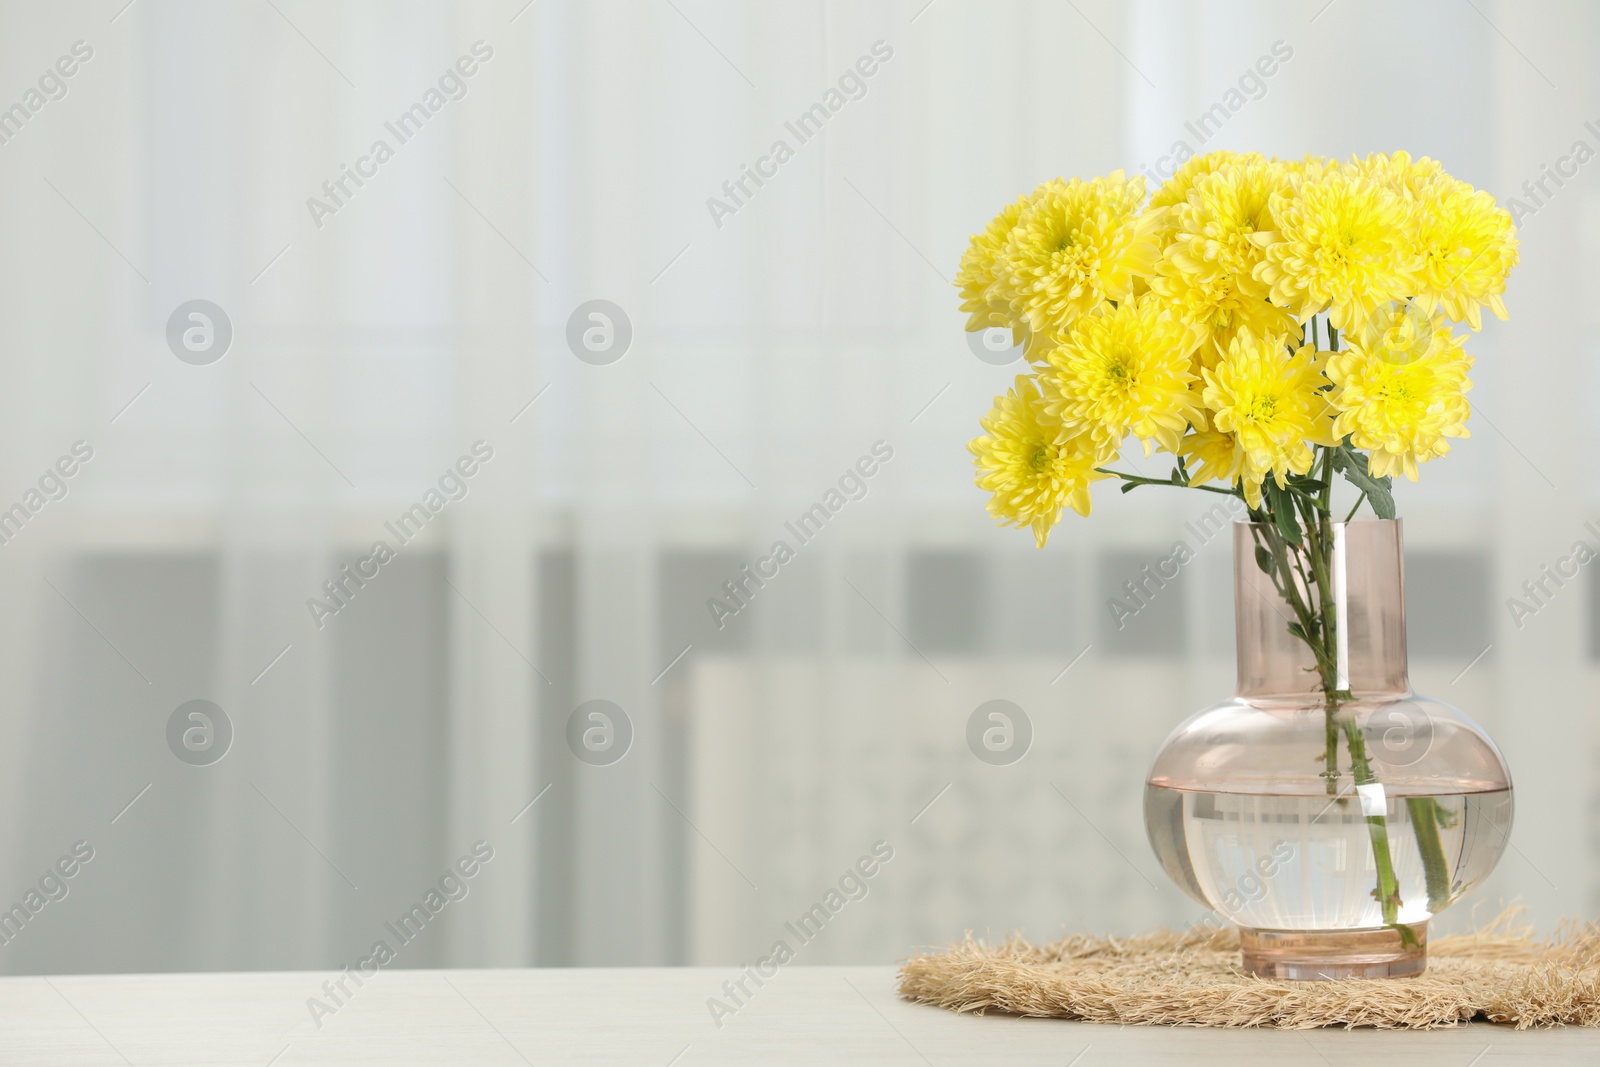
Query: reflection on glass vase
x=1327, y=809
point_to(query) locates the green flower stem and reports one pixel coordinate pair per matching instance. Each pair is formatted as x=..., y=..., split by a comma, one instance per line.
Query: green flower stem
x=1388, y=891
x=1321, y=533
x=1425, y=819
x=1330, y=758
x=1291, y=592
x=1139, y=479
x=1306, y=568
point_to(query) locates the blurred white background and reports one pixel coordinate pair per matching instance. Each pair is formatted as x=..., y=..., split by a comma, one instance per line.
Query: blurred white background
x=771, y=348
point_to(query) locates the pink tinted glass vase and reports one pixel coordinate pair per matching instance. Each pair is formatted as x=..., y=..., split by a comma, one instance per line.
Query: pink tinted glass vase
x=1279, y=808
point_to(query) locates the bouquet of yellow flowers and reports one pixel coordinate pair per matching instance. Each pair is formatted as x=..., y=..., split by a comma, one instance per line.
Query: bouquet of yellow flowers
x=1270, y=324
x=1207, y=323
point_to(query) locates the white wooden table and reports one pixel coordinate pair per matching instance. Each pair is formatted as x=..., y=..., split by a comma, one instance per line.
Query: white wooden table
x=653, y=1017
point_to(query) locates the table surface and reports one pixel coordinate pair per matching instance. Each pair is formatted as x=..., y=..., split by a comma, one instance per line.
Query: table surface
x=651, y=1016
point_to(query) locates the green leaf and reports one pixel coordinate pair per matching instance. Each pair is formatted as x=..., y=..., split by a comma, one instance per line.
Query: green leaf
x=1304, y=484
x=1283, y=510
x=1264, y=559
x=1128, y=487
x=1353, y=465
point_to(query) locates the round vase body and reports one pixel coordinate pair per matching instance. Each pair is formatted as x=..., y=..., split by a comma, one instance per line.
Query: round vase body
x=1256, y=808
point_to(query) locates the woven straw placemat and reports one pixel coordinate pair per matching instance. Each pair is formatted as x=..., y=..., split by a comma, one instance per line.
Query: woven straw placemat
x=1500, y=974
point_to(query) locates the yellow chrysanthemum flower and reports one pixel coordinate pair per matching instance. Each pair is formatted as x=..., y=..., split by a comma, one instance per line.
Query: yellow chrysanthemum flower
x=1212, y=456
x=1175, y=190
x=1213, y=230
x=1345, y=243
x=1125, y=370
x=1030, y=464
x=1405, y=175
x=1206, y=271
x=1076, y=245
x=1468, y=244
x=1273, y=405
x=1308, y=168
x=1214, y=304
x=1400, y=390
x=975, y=278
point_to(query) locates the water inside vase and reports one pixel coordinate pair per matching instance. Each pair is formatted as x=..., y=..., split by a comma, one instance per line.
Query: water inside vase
x=1286, y=862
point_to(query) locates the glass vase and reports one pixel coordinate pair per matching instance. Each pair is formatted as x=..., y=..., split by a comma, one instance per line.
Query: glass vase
x=1327, y=810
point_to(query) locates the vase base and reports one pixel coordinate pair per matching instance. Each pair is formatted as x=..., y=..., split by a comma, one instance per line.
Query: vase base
x=1325, y=955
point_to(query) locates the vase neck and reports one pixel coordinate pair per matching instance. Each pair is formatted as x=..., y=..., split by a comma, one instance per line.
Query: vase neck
x=1364, y=598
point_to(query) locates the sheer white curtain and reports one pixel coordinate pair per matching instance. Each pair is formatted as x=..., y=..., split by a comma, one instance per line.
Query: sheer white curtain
x=769, y=354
